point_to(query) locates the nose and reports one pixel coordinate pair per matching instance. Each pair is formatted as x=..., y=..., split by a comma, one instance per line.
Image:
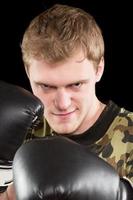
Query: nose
x=62, y=99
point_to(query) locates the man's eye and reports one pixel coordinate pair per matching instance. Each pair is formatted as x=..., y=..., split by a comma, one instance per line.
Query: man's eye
x=46, y=87
x=76, y=85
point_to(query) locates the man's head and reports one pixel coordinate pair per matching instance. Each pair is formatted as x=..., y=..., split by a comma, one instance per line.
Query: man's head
x=63, y=53
x=58, y=32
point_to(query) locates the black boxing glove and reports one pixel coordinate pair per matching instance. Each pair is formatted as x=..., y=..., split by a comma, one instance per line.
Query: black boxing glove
x=57, y=168
x=20, y=112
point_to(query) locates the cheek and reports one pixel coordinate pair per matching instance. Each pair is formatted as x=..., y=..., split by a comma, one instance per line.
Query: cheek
x=84, y=102
x=37, y=91
x=81, y=100
x=45, y=98
x=38, y=94
x=86, y=99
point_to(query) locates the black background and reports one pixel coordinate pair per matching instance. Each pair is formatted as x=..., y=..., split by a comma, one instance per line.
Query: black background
x=115, y=20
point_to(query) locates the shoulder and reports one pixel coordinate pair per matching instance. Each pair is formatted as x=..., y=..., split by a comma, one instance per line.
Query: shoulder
x=118, y=143
x=126, y=114
x=120, y=131
x=123, y=123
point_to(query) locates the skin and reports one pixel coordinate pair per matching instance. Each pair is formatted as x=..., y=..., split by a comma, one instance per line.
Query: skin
x=9, y=194
x=67, y=90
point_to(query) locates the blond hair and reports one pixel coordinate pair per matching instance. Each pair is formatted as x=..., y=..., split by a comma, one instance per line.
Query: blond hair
x=58, y=32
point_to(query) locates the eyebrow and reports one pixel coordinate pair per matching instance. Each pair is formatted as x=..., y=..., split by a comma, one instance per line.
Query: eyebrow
x=69, y=84
x=80, y=81
x=80, y=61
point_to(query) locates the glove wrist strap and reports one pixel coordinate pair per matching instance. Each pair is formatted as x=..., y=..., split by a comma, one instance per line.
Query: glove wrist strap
x=6, y=174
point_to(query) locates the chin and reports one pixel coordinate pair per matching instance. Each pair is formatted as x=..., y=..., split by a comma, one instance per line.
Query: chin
x=63, y=131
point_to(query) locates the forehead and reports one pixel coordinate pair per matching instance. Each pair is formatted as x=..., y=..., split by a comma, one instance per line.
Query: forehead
x=71, y=70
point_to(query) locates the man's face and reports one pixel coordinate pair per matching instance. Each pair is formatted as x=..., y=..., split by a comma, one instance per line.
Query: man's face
x=67, y=90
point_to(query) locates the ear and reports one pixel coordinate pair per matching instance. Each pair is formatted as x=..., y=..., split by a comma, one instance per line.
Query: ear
x=27, y=70
x=100, y=70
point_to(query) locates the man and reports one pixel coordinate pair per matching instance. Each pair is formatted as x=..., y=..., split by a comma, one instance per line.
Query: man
x=63, y=53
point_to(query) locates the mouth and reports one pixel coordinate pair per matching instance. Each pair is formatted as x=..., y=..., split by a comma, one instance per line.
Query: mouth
x=64, y=114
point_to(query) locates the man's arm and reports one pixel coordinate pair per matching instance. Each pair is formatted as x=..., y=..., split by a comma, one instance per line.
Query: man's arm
x=20, y=112
x=4, y=196
x=9, y=194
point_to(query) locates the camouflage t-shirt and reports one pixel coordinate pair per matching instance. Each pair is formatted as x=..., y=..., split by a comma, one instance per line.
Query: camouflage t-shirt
x=111, y=138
